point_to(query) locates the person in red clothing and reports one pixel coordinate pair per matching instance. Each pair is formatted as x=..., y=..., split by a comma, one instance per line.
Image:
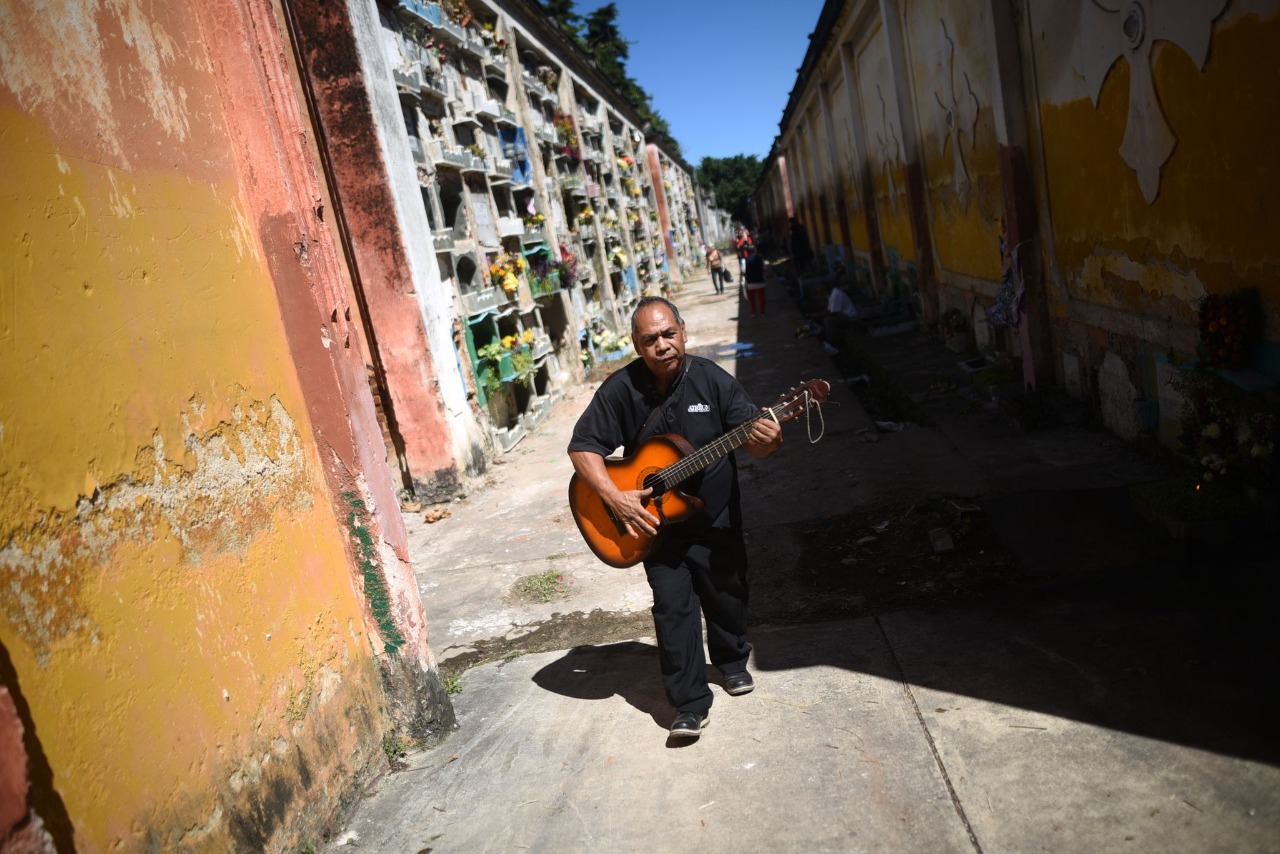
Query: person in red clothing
x=741, y=243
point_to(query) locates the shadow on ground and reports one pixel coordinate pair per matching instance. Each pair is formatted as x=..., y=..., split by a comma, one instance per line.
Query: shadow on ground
x=600, y=672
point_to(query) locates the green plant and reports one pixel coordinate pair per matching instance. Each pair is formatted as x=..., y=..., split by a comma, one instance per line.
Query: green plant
x=452, y=683
x=375, y=586
x=393, y=745
x=522, y=364
x=542, y=586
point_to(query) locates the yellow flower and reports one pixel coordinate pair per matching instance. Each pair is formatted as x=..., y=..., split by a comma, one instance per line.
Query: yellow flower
x=508, y=341
x=527, y=336
x=1213, y=431
x=510, y=283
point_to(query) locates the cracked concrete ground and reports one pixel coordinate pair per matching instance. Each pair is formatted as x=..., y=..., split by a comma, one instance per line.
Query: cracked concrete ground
x=1062, y=680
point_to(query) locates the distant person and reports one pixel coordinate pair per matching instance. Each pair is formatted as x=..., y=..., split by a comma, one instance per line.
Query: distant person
x=801, y=251
x=741, y=242
x=753, y=274
x=836, y=318
x=716, y=265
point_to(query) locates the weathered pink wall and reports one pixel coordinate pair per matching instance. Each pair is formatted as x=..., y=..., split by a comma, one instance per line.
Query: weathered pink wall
x=383, y=275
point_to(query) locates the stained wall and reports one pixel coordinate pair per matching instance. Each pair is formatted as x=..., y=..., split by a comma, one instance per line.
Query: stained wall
x=1128, y=154
x=204, y=576
x=1160, y=170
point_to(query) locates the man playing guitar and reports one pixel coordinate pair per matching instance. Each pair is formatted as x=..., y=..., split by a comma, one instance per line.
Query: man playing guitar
x=699, y=567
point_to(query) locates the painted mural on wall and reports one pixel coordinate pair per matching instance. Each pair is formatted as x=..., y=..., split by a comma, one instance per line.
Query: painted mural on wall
x=953, y=72
x=884, y=143
x=1130, y=31
x=848, y=163
x=1148, y=210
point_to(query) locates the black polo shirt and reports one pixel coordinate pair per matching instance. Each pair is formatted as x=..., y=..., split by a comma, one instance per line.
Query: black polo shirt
x=704, y=404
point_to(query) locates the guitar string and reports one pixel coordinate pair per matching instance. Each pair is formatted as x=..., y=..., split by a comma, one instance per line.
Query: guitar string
x=686, y=467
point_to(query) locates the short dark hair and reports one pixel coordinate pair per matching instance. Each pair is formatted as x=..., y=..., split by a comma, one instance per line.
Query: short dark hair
x=645, y=302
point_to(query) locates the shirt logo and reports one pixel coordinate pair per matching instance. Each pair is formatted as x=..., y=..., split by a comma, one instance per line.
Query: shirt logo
x=699, y=407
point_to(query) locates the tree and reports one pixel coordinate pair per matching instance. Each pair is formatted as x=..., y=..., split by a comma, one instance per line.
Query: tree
x=601, y=40
x=608, y=50
x=561, y=11
x=733, y=179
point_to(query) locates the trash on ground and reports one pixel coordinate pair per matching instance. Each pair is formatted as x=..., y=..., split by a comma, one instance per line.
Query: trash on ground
x=941, y=539
x=880, y=527
x=889, y=426
x=435, y=514
x=962, y=508
x=865, y=540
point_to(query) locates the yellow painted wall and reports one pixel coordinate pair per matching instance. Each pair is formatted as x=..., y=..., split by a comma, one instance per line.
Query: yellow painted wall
x=1213, y=226
x=965, y=237
x=179, y=603
x=847, y=161
x=884, y=141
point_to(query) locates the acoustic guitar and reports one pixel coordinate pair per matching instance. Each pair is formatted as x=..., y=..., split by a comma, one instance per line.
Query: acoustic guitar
x=663, y=463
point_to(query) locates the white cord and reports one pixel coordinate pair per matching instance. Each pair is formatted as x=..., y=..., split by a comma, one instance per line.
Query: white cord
x=808, y=420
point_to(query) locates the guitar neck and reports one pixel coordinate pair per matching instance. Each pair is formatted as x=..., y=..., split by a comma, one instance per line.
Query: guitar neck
x=677, y=473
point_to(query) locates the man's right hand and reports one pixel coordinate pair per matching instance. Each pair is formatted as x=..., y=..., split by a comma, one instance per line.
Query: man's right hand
x=628, y=508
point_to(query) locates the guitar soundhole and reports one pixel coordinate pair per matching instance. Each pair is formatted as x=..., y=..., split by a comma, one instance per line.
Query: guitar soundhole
x=652, y=481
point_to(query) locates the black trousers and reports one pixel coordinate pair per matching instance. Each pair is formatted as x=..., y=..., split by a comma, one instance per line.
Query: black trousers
x=706, y=577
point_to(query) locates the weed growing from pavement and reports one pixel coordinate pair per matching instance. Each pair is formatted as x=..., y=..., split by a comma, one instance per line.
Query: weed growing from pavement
x=452, y=682
x=540, y=587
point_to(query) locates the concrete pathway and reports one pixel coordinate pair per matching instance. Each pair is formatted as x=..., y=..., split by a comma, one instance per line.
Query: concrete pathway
x=1112, y=705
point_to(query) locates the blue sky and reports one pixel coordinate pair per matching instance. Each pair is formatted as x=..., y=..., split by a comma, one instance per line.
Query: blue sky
x=719, y=71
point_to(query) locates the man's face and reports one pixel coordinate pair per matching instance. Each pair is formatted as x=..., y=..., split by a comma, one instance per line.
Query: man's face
x=660, y=341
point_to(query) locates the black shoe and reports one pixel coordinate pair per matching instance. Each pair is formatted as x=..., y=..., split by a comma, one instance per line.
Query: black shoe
x=689, y=725
x=738, y=683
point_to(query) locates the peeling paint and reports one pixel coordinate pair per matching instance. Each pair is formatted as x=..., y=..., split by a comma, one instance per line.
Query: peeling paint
x=229, y=482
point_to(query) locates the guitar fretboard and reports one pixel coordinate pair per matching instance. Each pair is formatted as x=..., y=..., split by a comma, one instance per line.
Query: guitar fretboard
x=678, y=472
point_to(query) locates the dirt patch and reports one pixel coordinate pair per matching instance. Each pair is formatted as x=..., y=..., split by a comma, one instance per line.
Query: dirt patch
x=871, y=561
x=883, y=558
x=562, y=631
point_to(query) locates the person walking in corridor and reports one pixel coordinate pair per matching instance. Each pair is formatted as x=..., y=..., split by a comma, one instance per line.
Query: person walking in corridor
x=716, y=265
x=753, y=274
x=699, y=567
x=741, y=243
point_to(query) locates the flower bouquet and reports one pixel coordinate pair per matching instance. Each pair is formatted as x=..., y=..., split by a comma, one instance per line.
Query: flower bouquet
x=1230, y=433
x=534, y=220
x=504, y=272
x=618, y=257
x=585, y=215
x=1228, y=327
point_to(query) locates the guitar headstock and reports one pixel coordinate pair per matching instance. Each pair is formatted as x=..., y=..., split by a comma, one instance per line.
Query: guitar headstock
x=798, y=400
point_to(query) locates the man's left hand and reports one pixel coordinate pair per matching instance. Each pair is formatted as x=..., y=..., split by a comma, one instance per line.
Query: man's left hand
x=765, y=438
